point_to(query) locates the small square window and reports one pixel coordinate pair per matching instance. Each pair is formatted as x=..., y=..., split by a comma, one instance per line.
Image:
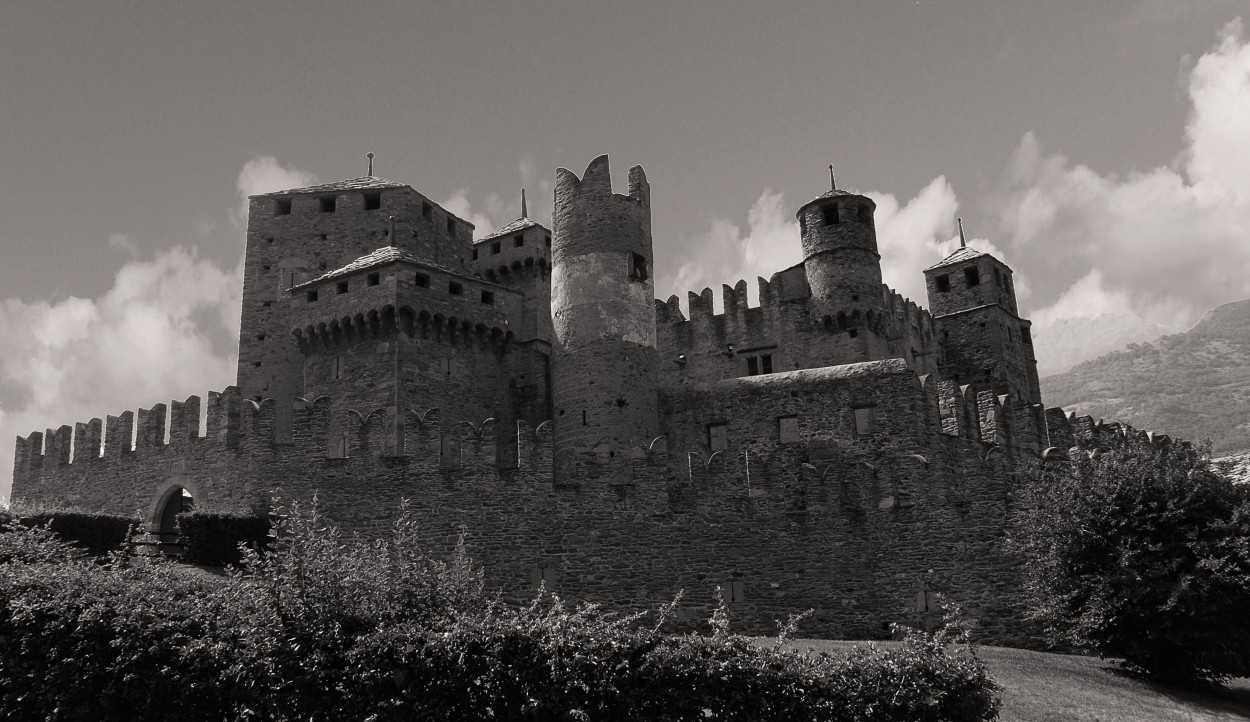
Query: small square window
x=638, y=267
x=495, y=248
x=373, y=200
x=341, y=286
x=943, y=283
x=451, y=227
x=422, y=280
x=716, y=440
x=427, y=211
x=281, y=207
x=488, y=297
x=830, y=215
x=312, y=296
x=518, y=241
x=972, y=276
x=455, y=289
x=866, y=420
x=374, y=279
x=328, y=203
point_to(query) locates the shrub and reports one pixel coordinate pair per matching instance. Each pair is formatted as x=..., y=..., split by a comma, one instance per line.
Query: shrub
x=213, y=538
x=97, y=533
x=327, y=628
x=1144, y=554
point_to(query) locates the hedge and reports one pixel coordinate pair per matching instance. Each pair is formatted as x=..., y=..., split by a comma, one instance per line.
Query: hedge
x=213, y=538
x=96, y=533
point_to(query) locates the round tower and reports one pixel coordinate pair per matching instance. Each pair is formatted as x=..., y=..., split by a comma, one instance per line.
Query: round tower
x=840, y=252
x=604, y=356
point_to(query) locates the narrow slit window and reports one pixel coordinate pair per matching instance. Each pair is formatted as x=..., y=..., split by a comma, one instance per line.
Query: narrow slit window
x=282, y=207
x=328, y=204
x=451, y=227
x=547, y=240
x=1026, y=336
x=475, y=254
x=336, y=368
x=373, y=200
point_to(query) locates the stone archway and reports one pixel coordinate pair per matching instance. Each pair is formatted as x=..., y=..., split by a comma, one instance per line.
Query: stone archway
x=173, y=500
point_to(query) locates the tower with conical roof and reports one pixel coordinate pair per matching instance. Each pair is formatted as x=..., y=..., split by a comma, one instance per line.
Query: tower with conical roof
x=983, y=341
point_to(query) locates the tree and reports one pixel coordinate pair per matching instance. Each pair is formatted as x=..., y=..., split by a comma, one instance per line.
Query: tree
x=1141, y=552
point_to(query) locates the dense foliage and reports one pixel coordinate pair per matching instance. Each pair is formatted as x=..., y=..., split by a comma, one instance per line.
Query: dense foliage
x=1142, y=553
x=327, y=628
x=96, y=533
x=212, y=538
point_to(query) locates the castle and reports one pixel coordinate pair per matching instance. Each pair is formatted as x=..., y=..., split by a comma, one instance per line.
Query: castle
x=836, y=448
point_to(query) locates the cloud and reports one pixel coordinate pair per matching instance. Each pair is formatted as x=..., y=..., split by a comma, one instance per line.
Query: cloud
x=121, y=242
x=459, y=204
x=167, y=328
x=1162, y=245
x=264, y=174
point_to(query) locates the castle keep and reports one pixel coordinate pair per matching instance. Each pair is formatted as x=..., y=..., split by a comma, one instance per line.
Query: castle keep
x=835, y=448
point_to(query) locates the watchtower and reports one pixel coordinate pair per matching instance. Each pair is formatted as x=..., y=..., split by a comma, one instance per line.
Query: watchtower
x=603, y=312
x=840, y=253
x=982, y=338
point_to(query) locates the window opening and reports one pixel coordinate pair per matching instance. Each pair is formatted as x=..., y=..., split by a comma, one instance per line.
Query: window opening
x=281, y=207
x=427, y=212
x=638, y=267
x=866, y=419
x=373, y=201
x=766, y=363
x=312, y=296
x=451, y=227
x=422, y=280
x=475, y=254
x=547, y=240
x=865, y=214
x=1026, y=336
x=943, y=283
x=374, y=279
x=328, y=204
x=518, y=241
x=830, y=215
x=753, y=367
x=455, y=289
x=342, y=287
x=495, y=248
x=488, y=297
x=336, y=368
x=973, y=276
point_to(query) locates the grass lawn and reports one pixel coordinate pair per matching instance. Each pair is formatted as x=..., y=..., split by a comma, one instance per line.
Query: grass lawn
x=1044, y=687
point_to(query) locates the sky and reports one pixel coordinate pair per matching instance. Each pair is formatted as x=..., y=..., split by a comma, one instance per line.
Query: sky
x=1101, y=149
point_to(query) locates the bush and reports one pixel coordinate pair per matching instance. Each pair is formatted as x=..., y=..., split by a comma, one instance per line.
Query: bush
x=97, y=533
x=213, y=538
x=323, y=628
x=1144, y=554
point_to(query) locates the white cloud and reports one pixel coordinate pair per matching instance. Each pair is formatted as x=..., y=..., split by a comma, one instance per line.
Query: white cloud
x=1161, y=246
x=167, y=328
x=459, y=204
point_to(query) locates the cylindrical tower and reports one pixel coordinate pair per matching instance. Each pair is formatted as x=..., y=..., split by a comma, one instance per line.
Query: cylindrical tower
x=603, y=312
x=840, y=252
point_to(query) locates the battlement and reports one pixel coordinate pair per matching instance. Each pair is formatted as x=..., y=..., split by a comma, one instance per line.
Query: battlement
x=590, y=218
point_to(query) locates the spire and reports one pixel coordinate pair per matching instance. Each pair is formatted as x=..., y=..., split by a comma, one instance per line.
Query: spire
x=962, y=242
x=833, y=184
x=524, y=212
x=392, y=236
x=369, y=155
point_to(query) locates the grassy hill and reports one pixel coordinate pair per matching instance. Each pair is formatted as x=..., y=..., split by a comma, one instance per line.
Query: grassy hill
x=1044, y=687
x=1193, y=385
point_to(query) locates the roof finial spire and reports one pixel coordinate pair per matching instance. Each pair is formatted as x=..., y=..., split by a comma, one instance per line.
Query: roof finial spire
x=833, y=184
x=369, y=155
x=392, y=238
x=962, y=242
x=524, y=212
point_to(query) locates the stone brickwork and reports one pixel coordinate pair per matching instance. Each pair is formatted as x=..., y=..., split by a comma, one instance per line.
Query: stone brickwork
x=835, y=448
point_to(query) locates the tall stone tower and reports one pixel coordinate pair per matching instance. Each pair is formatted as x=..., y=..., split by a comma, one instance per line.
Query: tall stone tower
x=604, y=355
x=840, y=253
x=983, y=340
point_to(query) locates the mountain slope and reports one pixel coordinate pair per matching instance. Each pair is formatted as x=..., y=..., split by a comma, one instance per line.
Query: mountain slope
x=1193, y=385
